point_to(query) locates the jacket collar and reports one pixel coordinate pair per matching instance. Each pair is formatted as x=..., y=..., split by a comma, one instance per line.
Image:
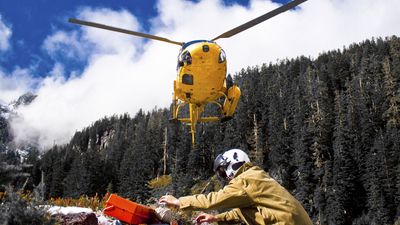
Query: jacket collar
x=243, y=168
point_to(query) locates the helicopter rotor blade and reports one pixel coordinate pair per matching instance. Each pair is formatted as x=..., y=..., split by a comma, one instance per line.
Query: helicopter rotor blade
x=260, y=19
x=105, y=27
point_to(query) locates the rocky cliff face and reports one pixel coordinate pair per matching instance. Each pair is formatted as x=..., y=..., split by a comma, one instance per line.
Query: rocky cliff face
x=24, y=99
x=7, y=112
x=105, y=139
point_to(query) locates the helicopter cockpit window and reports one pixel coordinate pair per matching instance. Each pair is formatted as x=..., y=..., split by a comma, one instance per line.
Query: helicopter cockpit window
x=187, y=79
x=186, y=58
x=222, y=56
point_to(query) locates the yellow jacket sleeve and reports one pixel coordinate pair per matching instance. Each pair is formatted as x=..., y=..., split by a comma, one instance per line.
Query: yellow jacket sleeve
x=232, y=196
x=232, y=215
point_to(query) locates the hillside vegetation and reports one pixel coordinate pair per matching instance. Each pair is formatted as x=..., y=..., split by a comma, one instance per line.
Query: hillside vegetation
x=327, y=129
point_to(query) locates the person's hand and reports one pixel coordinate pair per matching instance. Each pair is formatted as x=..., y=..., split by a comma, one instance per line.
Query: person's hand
x=170, y=201
x=205, y=217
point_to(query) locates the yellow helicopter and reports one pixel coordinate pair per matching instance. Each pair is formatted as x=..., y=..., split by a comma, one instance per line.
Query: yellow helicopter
x=201, y=77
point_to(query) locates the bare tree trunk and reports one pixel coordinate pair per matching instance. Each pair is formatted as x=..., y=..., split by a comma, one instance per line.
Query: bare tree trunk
x=165, y=155
x=256, y=152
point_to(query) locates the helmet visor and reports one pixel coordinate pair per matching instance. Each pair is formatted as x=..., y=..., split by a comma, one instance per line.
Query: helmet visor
x=219, y=161
x=220, y=165
x=221, y=173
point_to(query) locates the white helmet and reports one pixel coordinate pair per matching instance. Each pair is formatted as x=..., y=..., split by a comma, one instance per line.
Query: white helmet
x=227, y=164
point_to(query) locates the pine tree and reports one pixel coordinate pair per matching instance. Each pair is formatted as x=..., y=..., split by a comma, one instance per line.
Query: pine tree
x=136, y=168
x=76, y=183
x=280, y=151
x=344, y=169
x=379, y=209
x=123, y=130
x=304, y=144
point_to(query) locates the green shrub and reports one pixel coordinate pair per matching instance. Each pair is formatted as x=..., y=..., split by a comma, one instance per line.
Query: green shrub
x=16, y=210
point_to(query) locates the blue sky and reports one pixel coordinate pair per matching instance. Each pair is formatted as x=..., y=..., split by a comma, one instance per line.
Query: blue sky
x=82, y=74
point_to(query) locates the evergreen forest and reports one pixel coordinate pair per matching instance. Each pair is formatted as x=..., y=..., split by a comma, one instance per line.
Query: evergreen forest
x=327, y=129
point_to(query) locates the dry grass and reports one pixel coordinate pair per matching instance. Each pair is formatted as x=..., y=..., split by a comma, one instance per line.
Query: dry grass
x=96, y=202
x=160, y=182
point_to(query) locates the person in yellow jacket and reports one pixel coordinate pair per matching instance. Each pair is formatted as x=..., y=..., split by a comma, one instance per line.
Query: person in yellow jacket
x=251, y=194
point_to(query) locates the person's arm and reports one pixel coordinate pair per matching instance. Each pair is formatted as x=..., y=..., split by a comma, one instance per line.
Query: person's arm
x=229, y=216
x=170, y=201
x=232, y=196
x=232, y=215
x=205, y=217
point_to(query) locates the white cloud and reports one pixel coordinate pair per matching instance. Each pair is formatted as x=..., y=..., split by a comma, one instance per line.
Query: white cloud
x=5, y=34
x=67, y=44
x=93, y=41
x=107, y=41
x=14, y=85
x=114, y=81
x=125, y=73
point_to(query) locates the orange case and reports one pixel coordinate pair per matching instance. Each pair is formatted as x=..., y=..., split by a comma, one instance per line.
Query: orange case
x=128, y=211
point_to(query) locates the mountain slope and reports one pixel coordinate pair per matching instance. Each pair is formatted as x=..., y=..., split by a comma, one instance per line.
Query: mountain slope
x=327, y=129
